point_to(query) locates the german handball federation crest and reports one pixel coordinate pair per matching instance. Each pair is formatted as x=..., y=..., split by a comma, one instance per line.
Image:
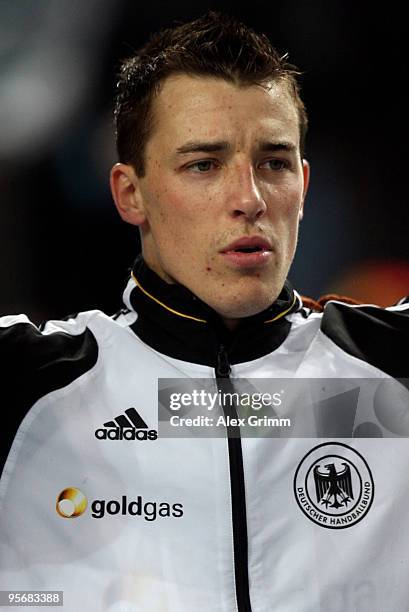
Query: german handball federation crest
x=333, y=485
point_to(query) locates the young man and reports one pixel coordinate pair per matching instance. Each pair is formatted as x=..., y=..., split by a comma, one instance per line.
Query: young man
x=210, y=132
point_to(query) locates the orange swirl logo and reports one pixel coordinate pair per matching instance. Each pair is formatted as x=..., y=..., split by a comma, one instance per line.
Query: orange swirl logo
x=71, y=503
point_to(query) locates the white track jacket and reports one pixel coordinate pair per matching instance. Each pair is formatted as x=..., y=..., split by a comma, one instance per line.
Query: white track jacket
x=304, y=514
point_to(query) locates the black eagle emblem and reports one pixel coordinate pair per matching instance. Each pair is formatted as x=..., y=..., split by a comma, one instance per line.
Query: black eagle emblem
x=333, y=489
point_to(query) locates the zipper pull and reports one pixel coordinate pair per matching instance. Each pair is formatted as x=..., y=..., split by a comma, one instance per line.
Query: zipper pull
x=223, y=368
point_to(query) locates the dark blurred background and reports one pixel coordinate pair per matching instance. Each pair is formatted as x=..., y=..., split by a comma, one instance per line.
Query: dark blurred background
x=62, y=246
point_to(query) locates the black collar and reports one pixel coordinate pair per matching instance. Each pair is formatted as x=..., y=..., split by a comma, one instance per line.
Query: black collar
x=176, y=323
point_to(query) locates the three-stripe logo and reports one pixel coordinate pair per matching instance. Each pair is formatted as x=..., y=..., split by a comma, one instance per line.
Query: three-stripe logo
x=133, y=419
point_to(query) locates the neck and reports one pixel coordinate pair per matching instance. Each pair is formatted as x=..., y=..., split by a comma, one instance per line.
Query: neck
x=231, y=324
x=175, y=322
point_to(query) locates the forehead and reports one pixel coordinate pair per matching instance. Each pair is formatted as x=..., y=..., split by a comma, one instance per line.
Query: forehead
x=189, y=107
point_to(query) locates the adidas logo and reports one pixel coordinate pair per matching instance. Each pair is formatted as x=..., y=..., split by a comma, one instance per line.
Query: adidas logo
x=129, y=427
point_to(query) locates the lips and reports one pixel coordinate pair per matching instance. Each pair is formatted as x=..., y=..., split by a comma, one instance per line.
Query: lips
x=248, y=252
x=248, y=245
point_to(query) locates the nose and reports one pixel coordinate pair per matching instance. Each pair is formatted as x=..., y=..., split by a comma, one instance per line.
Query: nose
x=245, y=196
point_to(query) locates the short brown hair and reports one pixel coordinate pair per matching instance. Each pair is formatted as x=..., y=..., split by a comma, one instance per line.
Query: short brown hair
x=213, y=45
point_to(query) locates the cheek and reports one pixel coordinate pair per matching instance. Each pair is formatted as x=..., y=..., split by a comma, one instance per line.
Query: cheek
x=285, y=219
x=286, y=204
x=175, y=224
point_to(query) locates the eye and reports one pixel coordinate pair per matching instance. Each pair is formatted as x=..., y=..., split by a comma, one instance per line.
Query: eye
x=275, y=164
x=202, y=166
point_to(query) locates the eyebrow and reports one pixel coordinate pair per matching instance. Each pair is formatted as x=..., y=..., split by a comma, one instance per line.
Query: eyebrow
x=195, y=146
x=267, y=145
x=222, y=145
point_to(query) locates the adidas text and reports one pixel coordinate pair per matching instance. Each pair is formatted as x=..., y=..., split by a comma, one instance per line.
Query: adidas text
x=126, y=433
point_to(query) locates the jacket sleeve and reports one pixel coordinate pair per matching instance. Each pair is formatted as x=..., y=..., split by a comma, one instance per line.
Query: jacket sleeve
x=34, y=363
x=379, y=336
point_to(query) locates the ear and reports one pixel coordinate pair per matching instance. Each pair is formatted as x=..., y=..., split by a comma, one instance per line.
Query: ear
x=126, y=193
x=306, y=176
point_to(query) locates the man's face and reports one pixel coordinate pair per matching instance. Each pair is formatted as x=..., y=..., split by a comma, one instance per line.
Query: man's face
x=223, y=191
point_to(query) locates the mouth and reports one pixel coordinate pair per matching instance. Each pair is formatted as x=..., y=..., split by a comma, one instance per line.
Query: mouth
x=248, y=252
x=248, y=244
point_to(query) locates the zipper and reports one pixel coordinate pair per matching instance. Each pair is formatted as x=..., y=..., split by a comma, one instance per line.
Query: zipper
x=223, y=368
x=238, y=499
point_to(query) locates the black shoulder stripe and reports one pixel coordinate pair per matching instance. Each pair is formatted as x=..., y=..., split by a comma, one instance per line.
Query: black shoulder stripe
x=32, y=365
x=378, y=336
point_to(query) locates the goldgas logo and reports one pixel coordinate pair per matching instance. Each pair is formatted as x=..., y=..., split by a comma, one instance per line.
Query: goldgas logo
x=71, y=503
x=128, y=426
x=333, y=486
